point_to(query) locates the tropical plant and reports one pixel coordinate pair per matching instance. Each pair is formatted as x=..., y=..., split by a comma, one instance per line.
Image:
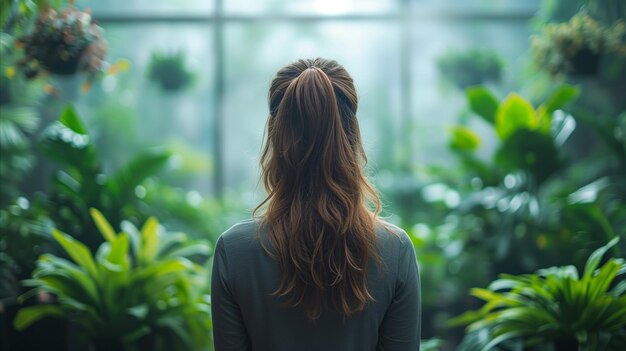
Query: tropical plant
x=472, y=67
x=169, y=71
x=534, y=184
x=556, y=307
x=139, y=284
x=575, y=47
x=82, y=184
x=63, y=43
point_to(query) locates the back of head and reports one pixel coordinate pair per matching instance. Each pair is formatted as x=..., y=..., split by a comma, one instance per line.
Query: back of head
x=317, y=212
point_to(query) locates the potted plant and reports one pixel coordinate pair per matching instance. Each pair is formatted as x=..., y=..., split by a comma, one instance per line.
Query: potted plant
x=169, y=71
x=63, y=42
x=140, y=285
x=575, y=47
x=556, y=308
x=472, y=67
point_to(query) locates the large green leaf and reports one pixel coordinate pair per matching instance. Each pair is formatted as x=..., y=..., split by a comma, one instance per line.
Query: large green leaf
x=123, y=183
x=560, y=97
x=72, y=150
x=70, y=119
x=77, y=251
x=79, y=284
x=513, y=114
x=464, y=138
x=149, y=244
x=103, y=225
x=596, y=256
x=483, y=103
x=15, y=122
x=29, y=315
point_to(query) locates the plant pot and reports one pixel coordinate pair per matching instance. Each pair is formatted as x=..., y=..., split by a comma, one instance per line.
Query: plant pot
x=585, y=63
x=172, y=82
x=57, y=65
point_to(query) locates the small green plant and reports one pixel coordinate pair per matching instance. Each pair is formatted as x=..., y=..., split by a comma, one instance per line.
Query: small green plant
x=575, y=47
x=169, y=71
x=139, y=284
x=556, y=307
x=473, y=67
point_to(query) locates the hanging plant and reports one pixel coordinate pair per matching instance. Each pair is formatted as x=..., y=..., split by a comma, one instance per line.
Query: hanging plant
x=575, y=47
x=63, y=42
x=472, y=67
x=169, y=71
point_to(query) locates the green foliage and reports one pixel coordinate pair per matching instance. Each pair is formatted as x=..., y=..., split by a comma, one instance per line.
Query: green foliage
x=16, y=124
x=19, y=121
x=527, y=143
x=556, y=305
x=531, y=204
x=140, y=283
x=24, y=235
x=81, y=184
x=168, y=70
x=472, y=67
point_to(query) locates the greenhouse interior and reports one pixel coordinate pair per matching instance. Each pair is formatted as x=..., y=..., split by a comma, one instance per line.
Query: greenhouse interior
x=131, y=134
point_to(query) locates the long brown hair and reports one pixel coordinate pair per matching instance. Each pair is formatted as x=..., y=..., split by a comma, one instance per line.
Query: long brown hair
x=320, y=211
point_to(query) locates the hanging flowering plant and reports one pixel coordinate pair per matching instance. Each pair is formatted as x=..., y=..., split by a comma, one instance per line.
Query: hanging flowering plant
x=63, y=42
x=575, y=47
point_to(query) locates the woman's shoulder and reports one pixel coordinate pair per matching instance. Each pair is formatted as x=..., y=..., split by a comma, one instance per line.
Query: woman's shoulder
x=241, y=233
x=387, y=232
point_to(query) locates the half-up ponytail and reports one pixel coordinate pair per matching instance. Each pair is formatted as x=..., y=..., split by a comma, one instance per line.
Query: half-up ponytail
x=320, y=212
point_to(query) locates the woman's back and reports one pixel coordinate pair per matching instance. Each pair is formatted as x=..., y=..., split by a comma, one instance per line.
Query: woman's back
x=250, y=317
x=317, y=269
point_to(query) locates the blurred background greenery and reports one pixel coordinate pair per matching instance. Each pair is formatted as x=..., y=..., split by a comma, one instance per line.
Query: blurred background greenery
x=496, y=132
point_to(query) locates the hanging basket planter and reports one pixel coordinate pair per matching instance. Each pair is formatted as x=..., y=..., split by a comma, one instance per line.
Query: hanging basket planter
x=169, y=71
x=471, y=67
x=63, y=43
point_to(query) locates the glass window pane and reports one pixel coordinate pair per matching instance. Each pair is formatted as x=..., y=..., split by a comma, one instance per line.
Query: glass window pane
x=313, y=7
x=507, y=6
x=130, y=112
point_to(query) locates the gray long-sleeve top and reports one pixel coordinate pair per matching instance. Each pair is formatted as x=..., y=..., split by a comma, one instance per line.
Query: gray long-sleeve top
x=246, y=316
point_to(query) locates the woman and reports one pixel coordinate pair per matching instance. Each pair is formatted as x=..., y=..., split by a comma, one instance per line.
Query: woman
x=317, y=270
